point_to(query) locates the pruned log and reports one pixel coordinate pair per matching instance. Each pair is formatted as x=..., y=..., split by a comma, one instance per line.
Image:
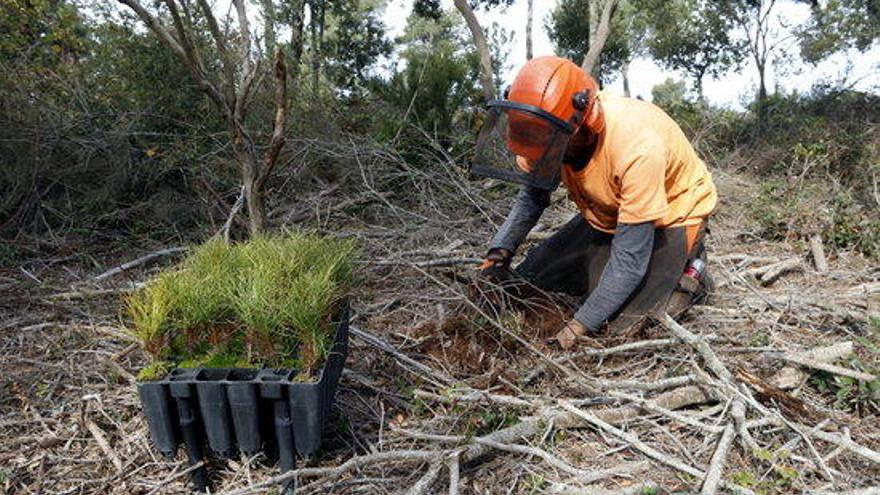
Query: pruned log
x=768, y=274
x=830, y=368
x=636, y=489
x=777, y=270
x=818, y=252
x=791, y=377
x=671, y=400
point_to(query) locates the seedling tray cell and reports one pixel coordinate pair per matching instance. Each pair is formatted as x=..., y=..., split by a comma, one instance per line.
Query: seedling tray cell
x=236, y=411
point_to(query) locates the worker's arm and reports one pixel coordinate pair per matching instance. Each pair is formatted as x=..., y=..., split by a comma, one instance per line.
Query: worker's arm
x=630, y=254
x=642, y=201
x=527, y=209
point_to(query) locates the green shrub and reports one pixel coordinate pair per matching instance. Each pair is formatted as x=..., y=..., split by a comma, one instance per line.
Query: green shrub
x=792, y=209
x=266, y=302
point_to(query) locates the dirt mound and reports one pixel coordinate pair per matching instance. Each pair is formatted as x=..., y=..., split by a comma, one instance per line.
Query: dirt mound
x=470, y=347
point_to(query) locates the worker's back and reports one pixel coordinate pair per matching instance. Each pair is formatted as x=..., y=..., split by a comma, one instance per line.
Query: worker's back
x=639, y=148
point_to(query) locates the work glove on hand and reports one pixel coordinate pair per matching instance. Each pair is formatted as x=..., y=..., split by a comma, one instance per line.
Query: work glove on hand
x=489, y=288
x=496, y=267
x=569, y=334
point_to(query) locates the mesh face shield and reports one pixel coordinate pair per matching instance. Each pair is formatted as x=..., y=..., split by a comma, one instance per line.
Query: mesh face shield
x=527, y=146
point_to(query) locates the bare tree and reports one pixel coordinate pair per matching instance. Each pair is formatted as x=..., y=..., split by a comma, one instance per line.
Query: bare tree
x=753, y=17
x=529, y=20
x=486, y=77
x=230, y=84
x=600, y=12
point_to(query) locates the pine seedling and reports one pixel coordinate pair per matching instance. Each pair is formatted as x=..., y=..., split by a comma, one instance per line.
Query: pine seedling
x=149, y=310
x=267, y=302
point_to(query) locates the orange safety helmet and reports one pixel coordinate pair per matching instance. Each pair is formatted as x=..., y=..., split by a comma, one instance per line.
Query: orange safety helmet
x=550, y=99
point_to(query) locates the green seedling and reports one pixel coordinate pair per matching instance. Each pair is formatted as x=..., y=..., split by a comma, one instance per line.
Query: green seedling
x=265, y=302
x=154, y=371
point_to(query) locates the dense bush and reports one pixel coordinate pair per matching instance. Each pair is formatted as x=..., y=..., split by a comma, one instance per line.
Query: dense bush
x=265, y=302
x=786, y=210
x=99, y=132
x=108, y=133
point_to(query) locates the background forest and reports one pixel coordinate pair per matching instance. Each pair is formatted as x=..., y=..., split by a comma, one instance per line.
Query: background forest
x=135, y=129
x=103, y=120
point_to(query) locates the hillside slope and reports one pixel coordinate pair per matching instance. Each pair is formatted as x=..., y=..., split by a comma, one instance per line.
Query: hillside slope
x=480, y=392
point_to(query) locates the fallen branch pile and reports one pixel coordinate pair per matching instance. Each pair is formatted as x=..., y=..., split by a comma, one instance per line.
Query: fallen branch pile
x=715, y=384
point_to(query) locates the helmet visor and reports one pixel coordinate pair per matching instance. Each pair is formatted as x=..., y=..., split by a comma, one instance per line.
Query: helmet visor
x=532, y=139
x=539, y=142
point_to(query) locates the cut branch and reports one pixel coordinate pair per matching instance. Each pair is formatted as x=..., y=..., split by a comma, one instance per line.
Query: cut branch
x=658, y=456
x=719, y=459
x=138, y=262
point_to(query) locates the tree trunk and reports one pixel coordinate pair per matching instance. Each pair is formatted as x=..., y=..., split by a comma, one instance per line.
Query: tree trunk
x=762, y=97
x=297, y=8
x=699, y=74
x=762, y=84
x=249, y=169
x=625, y=75
x=529, y=20
x=599, y=36
x=317, y=29
x=230, y=94
x=256, y=207
x=254, y=176
x=593, y=15
x=486, y=77
x=269, y=26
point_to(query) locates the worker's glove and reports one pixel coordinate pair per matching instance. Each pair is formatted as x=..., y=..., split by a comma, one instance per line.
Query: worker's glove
x=496, y=266
x=570, y=333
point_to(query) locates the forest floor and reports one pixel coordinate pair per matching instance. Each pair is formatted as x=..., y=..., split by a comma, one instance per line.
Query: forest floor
x=436, y=390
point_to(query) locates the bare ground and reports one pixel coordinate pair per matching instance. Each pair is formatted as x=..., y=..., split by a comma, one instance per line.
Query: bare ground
x=70, y=421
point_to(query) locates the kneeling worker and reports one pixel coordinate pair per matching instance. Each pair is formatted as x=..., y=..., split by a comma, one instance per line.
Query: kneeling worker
x=643, y=193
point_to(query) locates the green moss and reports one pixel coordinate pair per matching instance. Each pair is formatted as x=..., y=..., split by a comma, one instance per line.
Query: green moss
x=267, y=301
x=744, y=478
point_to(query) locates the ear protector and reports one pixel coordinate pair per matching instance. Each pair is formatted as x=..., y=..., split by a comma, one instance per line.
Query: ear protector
x=580, y=100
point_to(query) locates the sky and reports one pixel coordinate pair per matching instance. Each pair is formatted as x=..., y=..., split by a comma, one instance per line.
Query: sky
x=862, y=70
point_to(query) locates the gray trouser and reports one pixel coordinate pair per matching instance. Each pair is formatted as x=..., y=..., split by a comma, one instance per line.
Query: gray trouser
x=572, y=261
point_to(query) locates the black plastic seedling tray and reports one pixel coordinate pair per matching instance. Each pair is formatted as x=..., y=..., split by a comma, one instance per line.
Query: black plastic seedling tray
x=236, y=411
